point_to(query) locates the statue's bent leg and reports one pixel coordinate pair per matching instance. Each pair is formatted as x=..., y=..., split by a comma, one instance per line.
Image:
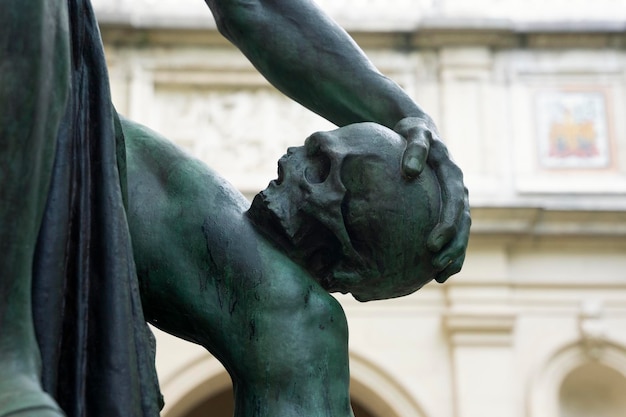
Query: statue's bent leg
x=286, y=356
x=297, y=361
x=34, y=79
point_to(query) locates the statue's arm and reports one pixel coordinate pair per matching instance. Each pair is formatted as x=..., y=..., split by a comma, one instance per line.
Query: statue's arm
x=311, y=59
x=207, y=276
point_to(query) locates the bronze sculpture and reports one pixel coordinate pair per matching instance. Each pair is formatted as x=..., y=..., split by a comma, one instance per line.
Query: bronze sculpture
x=64, y=234
x=228, y=280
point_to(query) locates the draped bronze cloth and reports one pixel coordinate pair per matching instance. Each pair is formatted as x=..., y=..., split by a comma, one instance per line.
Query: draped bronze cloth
x=97, y=351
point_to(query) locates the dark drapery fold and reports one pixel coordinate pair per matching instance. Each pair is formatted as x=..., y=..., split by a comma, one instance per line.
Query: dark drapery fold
x=97, y=351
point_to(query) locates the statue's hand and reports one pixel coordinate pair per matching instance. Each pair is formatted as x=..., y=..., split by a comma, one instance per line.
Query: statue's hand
x=448, y=240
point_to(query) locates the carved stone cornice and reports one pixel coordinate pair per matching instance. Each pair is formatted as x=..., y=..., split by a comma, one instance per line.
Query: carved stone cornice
x=427, y=33
x=540, y=221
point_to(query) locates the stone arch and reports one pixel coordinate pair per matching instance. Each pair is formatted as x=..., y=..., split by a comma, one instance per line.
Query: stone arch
x=544, y=391
x=371, y=386
x=593, y=389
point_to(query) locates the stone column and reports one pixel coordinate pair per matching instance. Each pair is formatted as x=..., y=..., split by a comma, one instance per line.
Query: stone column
x=481, y=356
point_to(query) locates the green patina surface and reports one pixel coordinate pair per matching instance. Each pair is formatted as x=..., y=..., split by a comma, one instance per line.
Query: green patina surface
x=250, y=283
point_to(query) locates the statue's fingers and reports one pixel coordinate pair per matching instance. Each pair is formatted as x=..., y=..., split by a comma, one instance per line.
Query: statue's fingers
x=453, y=219
x=455, y=247
x=415, y=155
x=450, y=259
x=453, y=267
x=418, y=137
x=454, y=199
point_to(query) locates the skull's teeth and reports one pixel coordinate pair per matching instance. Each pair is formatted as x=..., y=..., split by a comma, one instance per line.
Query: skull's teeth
x=281, y=174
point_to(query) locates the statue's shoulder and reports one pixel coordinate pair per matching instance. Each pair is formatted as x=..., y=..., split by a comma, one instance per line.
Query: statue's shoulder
x=153, y=159
x=144, y=145
x=167, y=186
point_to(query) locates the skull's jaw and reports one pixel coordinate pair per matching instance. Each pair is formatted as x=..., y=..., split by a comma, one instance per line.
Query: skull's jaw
x=312, y=245
x=268, y=221
x=300, y=236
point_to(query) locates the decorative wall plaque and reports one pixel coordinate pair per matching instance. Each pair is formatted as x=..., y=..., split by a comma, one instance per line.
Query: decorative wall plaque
x=572, y=129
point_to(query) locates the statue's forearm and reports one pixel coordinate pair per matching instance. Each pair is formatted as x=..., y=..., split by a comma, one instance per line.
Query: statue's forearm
x=311, y=59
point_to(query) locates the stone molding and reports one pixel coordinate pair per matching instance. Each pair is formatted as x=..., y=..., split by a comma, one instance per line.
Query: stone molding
x=540, y=221
x=479, y=328
x=435, y=33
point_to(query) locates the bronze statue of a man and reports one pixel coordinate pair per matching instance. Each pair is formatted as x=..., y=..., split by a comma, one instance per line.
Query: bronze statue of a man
x=71, y=308
x=251, y=283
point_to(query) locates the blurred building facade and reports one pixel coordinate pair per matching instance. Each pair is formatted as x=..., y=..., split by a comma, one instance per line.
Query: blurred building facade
x=530, y=98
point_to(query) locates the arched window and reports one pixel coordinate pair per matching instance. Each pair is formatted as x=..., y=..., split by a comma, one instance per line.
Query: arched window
x=593, y=390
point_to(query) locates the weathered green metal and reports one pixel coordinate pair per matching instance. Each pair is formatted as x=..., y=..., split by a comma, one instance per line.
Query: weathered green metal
x=359, y=209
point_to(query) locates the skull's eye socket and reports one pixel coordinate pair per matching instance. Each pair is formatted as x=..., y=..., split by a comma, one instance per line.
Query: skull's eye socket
x=318, y=169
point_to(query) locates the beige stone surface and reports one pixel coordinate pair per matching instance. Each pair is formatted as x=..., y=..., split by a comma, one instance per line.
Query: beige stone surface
x=543, y=290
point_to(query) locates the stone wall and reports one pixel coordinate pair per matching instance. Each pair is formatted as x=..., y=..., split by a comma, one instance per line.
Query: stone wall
x=509, y=105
